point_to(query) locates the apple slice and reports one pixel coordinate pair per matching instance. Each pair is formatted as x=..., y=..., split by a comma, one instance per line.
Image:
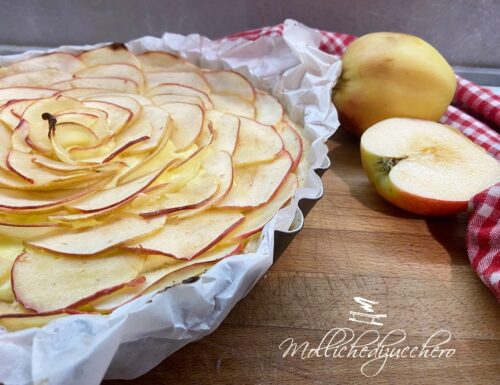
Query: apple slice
x=9, y=250
x=233, y=105
x=19, y=139
x=42, y=78
x=109, y=84
x=156, y=61
x=115, y=53
x=189, y=237
x=117, y=116
x=177, y=89
x=32, y=201
x=27, y=231
x=256, y=143
x=159, y=121
x=256, y=219
x=12, y=308
x=425, y=167
x=21, y=93
x=226, y=129
x=115, y=196
x=14, y=322
x=125, y=71
x=293, y=143
x=80, y=93
x=21, y=164
x=187, y=122
x=230, y=83
x=161, y=99
x=12, y=112
x=105, y=237
x=157, y=277
x=56, y=61
x=187, y=274
x=188, y=79
x=255, y=185
x=70, y=282
x=268, y=110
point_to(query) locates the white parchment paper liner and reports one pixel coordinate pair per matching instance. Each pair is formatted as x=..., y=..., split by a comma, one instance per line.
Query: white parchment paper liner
x=81, y=350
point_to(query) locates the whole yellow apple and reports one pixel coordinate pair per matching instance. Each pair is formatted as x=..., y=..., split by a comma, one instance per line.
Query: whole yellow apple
x=388, y=75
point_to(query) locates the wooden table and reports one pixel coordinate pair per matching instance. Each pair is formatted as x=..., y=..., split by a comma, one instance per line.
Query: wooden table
x=353, y=244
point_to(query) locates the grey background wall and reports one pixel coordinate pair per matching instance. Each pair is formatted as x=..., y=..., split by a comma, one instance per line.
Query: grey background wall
x=465, y=31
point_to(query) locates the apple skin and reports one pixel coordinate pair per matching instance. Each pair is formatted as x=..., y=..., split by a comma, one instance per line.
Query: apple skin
x=404, y=199
x=389, y=75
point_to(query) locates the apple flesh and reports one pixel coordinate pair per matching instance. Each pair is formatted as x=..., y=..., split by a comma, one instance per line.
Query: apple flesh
x=425, y=167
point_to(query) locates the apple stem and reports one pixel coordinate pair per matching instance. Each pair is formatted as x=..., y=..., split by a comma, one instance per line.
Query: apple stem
x=52, y=122
x=387, y=163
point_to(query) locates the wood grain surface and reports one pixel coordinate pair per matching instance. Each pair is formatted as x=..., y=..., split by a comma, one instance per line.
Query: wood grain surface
x=353, y=244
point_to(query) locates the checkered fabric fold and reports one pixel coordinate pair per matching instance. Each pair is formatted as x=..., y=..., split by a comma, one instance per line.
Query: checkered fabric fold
x=475, y=111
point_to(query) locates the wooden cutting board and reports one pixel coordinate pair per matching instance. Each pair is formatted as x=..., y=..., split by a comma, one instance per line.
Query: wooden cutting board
x=354, y=244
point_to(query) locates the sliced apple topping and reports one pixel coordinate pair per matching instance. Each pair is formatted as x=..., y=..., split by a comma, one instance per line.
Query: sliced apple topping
x=123, y=174
x=70, y=282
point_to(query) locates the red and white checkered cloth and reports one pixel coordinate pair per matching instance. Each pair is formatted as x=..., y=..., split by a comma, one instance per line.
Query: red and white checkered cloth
x=476, y=112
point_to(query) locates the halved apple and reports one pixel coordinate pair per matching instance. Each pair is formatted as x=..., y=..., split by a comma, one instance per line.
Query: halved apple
x=256, y=143
x=105, y=237
x=189, y=237
x=70, y=282
x=230, y=83
x=425, y=167
x=255, y=185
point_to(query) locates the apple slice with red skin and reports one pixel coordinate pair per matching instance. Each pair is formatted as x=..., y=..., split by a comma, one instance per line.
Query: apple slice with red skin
x=188, y=79
x=187, y=122
x=109, y=84
x=21, y=93
x=117, y=116
x=43, y=78
x=256, y=219
x=27, y=231
x=178, y=89
x=268, y=110
x=230, y=104
x=156, y=61
x=125, y=71
x=14, y=322
x=69, y=282
x=159, y=275
x=189, y=237
x=115, y=53
x=256, y=143
x=159, y=120
x=230, y=83
x=105, y=237
x=226, y=131
x=256, y=185
x=293, y=143
x=80, y=93
x=161, y=99
x=21, y=164
x=22, y=202
x=425, y=167
x=115, y=196
x=56, y=61
x=12, y=112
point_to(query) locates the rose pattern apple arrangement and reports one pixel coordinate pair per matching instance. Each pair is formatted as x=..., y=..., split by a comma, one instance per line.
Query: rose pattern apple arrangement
x=124, y=174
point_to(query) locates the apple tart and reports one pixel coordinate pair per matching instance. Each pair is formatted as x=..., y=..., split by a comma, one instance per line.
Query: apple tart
x=124, y=174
